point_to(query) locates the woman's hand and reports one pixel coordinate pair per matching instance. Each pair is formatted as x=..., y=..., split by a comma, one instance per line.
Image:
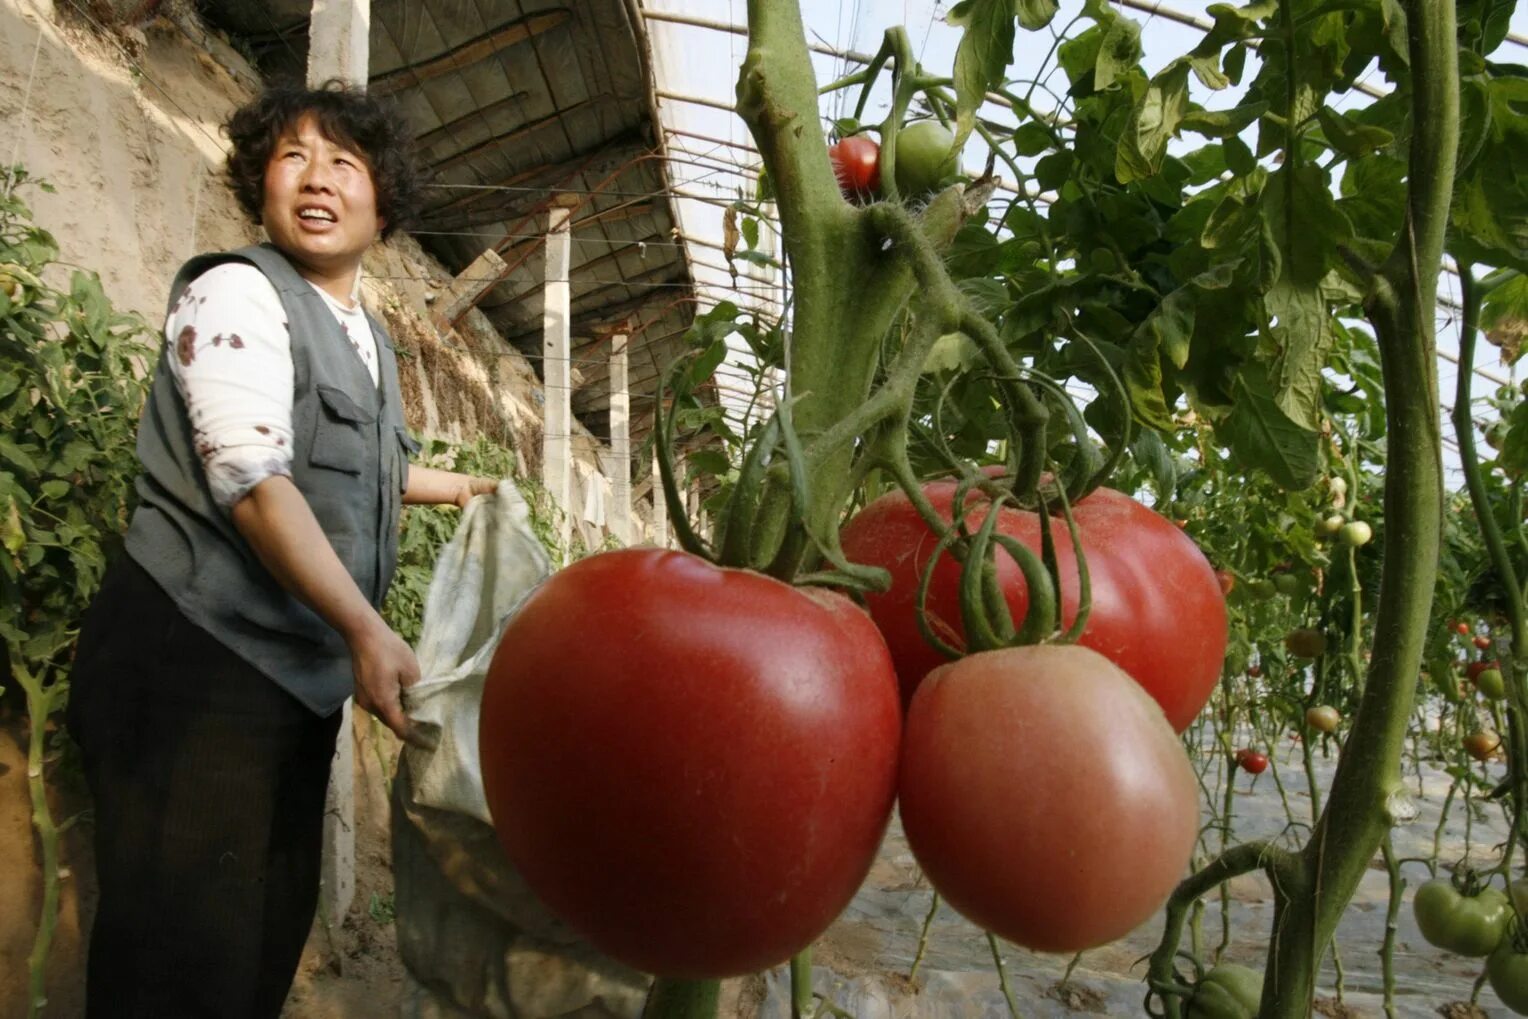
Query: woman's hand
x=384, y=665
x=431, y=486
x=474, y=486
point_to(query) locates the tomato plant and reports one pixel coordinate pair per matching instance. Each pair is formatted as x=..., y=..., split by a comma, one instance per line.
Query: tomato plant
x=1013, y=818
x=1157, y=610
x=857, y=166
x=925, y=157
x=739, y=734
x=1466, y=924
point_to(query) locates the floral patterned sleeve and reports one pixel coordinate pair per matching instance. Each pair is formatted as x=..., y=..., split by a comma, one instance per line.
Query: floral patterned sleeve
x=231, y=357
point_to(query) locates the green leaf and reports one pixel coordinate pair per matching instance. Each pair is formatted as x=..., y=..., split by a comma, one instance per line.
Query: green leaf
x=1303, y=340
x=1035, y=14
x=1262, y=437
x=1239, y=157
x=1032, y=138
x=1352, y=139
x=1207, y=70
x=1305, y=221
x=986, y=47
x=55, y=489
x=1148, y=450
x=1504, y=317
x=1118, y=52
x=1170, y=326
x=750, y=230
x=1078, y=56
x=711, y=461
x=1143, y=378
x=1235, y=62
x=17, y=456
x=1223, y=123
x=1152, y=124
x=706, y=364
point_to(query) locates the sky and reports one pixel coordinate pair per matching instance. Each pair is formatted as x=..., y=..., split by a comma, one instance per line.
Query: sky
x=702, y=62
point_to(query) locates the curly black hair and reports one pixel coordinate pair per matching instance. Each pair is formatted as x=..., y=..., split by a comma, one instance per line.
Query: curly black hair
x=347, y=116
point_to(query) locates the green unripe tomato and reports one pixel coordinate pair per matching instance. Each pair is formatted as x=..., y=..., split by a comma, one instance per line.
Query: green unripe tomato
x=1286, y=583
x=1261, y=589
x=1338, y=486
x=1492, y=684
x=1496, y=435
x=1507, y=971
x=1329, y=525
x=1469, y=925
x=1305, y=643
x=1229, y=991
x=1323, y=718
x=925, y=156
x=1355, y=533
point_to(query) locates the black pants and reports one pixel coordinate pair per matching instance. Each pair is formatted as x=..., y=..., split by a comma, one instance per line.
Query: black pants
x=208, y=781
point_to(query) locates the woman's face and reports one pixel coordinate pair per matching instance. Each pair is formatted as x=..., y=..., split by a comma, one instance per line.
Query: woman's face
x=320, y=203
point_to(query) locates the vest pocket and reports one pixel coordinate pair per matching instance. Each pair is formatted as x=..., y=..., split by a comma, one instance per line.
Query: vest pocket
x=338, y=439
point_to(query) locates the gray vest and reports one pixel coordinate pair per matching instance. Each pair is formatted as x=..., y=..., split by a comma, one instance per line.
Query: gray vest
x=349, y=460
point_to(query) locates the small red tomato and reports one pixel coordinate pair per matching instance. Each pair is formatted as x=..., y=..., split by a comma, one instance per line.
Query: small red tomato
x=1462, y=628
x=1253, y=762
x=1254, y=670
x=1483, y=643
x=857, y=165
x=1226, y=579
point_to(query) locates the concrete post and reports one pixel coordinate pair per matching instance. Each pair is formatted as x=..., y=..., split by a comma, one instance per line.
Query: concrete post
x=339, y=37
x=620, y=441
x=339, y=34
x=556, y=348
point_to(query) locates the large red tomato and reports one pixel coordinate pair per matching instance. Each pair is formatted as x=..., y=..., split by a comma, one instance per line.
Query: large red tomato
x=692, y=766
x=1158, y=612
x=1045, y=796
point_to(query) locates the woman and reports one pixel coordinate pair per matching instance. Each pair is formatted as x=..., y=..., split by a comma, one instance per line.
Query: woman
x=213, y=664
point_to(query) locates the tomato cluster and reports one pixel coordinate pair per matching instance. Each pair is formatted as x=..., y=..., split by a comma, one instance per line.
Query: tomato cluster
x=693, y=766
x=1157, y=607
x=926, y=158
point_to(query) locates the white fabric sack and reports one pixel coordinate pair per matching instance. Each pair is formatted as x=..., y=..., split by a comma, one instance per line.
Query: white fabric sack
x=476, y=942
x=487, y=568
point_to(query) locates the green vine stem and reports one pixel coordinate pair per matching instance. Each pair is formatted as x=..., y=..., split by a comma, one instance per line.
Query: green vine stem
x=1392, y=918
x=801, y=984
x=1280, y=865
x=1400, y=303
x=1472, y=292
x=42, y=699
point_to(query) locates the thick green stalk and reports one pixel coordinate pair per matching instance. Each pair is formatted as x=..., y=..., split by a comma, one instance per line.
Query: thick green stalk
x=847, y=288
x=41, y=698
x=1400, y=304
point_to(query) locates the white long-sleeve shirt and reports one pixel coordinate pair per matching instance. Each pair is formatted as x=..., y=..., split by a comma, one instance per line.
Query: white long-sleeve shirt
x=232, y=363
